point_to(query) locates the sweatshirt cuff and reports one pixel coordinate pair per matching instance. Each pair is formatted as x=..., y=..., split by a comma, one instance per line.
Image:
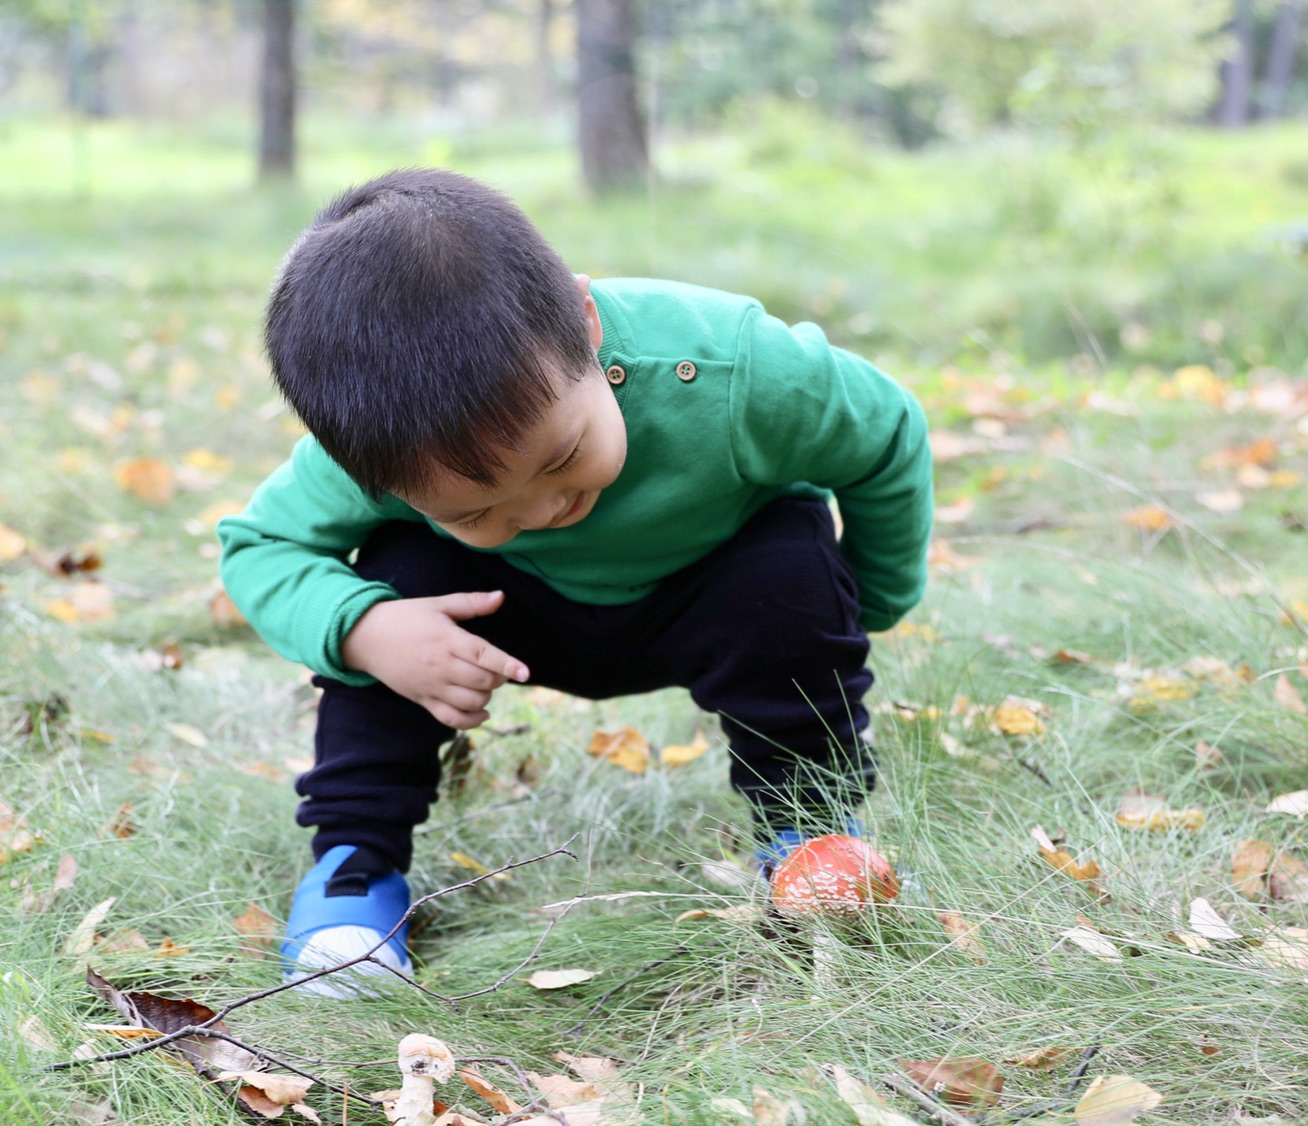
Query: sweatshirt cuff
x=343, y=618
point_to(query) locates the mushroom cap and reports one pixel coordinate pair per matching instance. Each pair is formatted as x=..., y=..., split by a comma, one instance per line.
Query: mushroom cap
x=833, y=875
x=425, y=1056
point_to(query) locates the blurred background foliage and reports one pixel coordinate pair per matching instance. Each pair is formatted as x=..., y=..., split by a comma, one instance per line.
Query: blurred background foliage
x=1104, y=182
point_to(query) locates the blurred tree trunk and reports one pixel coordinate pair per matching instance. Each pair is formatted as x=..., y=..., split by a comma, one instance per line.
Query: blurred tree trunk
x=1280, y=58
x=277, y=91
x=1238, y=72
x=611, y=127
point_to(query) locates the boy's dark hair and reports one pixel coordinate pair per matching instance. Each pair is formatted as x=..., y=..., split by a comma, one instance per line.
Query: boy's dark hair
x=419, y=317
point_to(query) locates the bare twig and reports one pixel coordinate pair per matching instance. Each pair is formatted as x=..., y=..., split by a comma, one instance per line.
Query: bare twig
x=1047, y=1106
x=535, y=950
x=942, y=1113
x=206, y=1027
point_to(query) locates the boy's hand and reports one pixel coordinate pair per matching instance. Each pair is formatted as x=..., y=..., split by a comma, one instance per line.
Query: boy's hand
x=416, y=648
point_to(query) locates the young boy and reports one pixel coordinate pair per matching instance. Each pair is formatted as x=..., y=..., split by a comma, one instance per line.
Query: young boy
x=605, y=488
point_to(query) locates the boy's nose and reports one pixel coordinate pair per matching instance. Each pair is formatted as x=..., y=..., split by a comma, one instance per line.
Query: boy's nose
x=543, y=513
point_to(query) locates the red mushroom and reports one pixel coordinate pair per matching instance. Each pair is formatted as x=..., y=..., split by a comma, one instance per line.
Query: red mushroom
x=832, y=875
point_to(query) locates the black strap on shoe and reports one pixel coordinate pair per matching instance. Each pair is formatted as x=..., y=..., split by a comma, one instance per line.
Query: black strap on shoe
x=354, y=875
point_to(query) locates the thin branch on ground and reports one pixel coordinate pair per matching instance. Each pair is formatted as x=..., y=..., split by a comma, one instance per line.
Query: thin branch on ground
x=941, y=1113
x=206, y=1027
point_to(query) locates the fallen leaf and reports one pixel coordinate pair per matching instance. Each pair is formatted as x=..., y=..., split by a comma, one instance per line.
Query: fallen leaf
x=1018, y=716
x=562, y=1090
x=678, y=754
x=123, y=942
x=1091, y=941
x=1249, y=868
x=626, y=748
x=1205, y=920
x=1197, y=381
x=1284, y=948
x=270, y=1094
x=959, y=1081
x=169, y=949
x=1115, y=1100
x=83, y=936
x=945, y=559
x=869, y=1108
x=1041, y=1059
x=1288, y=696
x=224, y=613
x=1295, y=804
x=12, y=544
x=1150, y=691
x=1225, y=502
x=97, y=1111
x=1148, y=518
x=90, y=601
x=188, y=734
x=1139, y=810
x=166, y=1015
x=463, y=860
x=36, y=1035
x=737, y=913
x=258, y=930
x=1206, y=755
x=121, y=824
x=770, y=1110
x=963, y=936
x=560, y=979
x=148, y=478
x=488, y=1091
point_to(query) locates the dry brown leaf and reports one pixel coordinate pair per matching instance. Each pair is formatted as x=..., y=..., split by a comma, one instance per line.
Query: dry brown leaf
x=150, y=479
x=1115, y=1100
x=959, y=1081
x=487, y=1090
x=121, y=824
x=258, y=930
x=1295, y=804
x=169, y=949
x=563, y=1090
x=770, y=1110
x=560, y=979
x=1062, y=860
x=1249, y=868
x=1041, y=1059
x=626, y=748
x=166, y=1014
x=269, y=1094
x=36, y=1034
x=224, y=613
x=678, y=754
x=123, y=942
x=963, y=936
x=1288, y=696
x=1139, y=810
x=869, y=1108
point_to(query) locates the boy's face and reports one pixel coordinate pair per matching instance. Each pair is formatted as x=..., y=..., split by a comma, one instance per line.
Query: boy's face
x=551, y=480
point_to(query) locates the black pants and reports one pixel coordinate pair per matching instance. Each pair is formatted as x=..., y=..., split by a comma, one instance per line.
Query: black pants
x=763, y=631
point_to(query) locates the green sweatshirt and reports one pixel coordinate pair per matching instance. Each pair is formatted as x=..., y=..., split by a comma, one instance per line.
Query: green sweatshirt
x=726, y=409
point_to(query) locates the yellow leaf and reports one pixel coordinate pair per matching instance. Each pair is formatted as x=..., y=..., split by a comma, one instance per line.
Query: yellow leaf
x=678, y=754
x=1153, y=690
x=258, y=930
x=169, y=949
x=1016, y=716
x=210, y=516
x=625, y=747
x=12, y=544
x=1198, y=381
x=89, y=601
x=148, y=478
x=1139, y=810
x=1148, y=518
x=209, y=462
x=1042, y=1059
x=83, y=936
x=463, y=860
x=1115, y=1100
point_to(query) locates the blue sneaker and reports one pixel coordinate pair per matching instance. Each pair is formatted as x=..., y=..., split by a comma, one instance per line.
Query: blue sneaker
x=345, y=905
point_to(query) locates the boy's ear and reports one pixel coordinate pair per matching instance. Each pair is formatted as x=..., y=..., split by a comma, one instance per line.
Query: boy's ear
x=590, y=310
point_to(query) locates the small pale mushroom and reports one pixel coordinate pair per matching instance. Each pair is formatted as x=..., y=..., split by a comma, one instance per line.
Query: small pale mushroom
x=423, y=1061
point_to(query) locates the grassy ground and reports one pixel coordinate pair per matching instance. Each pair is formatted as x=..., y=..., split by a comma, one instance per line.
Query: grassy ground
x=1119, y=547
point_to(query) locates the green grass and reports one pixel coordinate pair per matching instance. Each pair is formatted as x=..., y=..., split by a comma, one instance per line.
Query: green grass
x=129, y=330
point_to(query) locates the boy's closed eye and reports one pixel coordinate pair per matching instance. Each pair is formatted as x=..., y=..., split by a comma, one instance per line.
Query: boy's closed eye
x=567, y=462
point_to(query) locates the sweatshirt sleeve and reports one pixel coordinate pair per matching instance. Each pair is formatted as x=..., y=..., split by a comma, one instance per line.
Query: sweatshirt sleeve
x=803, y=410
x=285, y=559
